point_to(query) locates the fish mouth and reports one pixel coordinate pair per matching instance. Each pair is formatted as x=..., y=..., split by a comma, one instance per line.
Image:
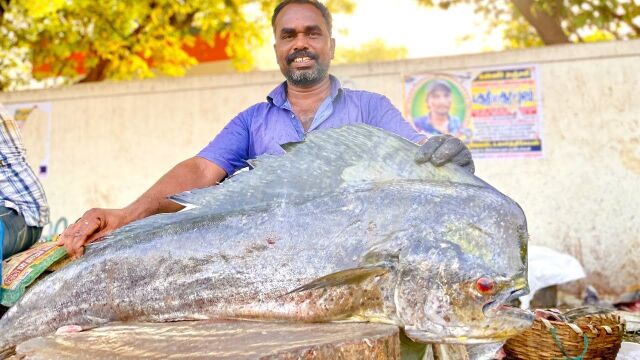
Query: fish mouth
x=502, y=321
x=501, y=308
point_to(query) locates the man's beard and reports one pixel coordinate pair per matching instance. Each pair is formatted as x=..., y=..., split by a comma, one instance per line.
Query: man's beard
x=308, y=77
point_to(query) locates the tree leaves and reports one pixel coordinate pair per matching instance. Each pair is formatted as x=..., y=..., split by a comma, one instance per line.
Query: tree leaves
x=88, y=40
x=535, y=22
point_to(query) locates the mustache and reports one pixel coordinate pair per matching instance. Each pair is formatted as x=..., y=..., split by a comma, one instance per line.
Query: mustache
x=301, y=53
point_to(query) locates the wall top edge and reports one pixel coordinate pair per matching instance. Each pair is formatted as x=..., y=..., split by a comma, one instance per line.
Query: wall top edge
x=547, y=54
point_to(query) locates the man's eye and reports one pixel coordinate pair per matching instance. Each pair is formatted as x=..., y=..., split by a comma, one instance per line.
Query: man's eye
x=286, y=37
x=314, y=35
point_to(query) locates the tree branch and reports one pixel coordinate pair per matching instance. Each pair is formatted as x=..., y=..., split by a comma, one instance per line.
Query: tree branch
x=616, y=16
x=184, y=23
x=97, y=73
x=4, y=7
x=546, y=25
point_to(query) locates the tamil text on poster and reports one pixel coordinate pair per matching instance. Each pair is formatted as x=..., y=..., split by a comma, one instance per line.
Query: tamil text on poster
x=495, y=111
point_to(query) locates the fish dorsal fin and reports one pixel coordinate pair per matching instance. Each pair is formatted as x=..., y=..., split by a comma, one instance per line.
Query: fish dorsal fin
x=326, y=161
x=344, y=277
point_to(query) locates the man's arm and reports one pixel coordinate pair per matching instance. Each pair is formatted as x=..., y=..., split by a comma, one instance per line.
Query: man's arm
x=193, y=173
x=190, y=174
x=438, y=149
x=221, y=157
x=381, y=113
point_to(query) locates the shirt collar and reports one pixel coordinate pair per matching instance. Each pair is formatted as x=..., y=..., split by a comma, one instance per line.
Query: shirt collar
x=278, y=96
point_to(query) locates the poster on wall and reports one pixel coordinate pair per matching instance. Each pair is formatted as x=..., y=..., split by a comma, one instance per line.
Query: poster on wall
x=497, y=112
x=34, y=121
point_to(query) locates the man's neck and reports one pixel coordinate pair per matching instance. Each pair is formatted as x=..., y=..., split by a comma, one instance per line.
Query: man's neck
x=315, y=93
x=305, y=101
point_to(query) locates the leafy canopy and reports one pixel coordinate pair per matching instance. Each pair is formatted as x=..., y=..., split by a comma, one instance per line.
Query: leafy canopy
x=124, y=39
x=528, y=23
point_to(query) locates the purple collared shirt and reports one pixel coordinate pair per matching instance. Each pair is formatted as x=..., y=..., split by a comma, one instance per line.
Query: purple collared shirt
x=263, y=127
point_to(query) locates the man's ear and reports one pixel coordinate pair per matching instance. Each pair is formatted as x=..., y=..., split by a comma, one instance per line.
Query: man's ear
x=333, y=47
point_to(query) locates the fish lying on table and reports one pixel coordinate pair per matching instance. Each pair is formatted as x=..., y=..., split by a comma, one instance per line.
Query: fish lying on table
x=344, y=226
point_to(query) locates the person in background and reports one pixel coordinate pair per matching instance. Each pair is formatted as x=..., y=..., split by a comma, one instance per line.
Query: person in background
x=438, y=121
x=23, y=205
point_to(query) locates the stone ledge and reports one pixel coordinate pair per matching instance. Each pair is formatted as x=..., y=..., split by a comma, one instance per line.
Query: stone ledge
x=220, y=340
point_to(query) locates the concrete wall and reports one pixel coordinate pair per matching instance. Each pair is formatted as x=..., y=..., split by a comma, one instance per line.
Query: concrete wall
x=109, y=142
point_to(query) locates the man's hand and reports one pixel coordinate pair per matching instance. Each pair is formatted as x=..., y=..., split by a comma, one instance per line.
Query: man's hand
x=93, y=225
x=441, y=149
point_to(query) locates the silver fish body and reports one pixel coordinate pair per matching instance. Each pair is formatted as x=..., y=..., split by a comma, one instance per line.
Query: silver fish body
x=392, y=245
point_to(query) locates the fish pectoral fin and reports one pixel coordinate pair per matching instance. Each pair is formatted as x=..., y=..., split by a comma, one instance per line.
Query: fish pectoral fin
x=344, y=277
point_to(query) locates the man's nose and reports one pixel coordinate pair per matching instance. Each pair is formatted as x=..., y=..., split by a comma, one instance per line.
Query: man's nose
x=301, y=42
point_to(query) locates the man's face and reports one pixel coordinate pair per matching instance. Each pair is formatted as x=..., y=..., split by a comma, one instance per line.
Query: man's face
x=439, y=102
x=303, y=46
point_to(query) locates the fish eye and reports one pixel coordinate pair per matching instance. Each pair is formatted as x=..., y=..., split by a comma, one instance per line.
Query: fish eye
x=485, y=285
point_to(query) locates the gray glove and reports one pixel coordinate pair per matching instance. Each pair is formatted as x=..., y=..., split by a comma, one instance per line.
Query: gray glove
x=441, y=149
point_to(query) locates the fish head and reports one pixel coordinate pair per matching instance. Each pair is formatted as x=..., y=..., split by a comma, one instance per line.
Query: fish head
x=445, y=295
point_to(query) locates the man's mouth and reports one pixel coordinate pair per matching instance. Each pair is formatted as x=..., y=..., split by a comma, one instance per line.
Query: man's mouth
x=301, y=57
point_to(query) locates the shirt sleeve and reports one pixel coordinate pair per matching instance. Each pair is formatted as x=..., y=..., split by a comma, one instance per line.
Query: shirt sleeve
x=230, y=148
x=383, y=114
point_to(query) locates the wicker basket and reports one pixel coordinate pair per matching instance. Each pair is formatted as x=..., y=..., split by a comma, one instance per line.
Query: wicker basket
x=600, y=334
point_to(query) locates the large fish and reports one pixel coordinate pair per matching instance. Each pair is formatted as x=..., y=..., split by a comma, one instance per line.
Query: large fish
x=344, y=226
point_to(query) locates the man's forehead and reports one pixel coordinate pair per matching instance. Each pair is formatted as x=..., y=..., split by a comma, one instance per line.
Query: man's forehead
x=299, y=17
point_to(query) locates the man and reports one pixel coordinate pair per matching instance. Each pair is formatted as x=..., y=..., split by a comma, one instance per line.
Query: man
x=23, y=205
x=438, y=121
x=308, y=100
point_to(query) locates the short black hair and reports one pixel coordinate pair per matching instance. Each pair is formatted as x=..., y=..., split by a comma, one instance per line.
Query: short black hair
x=317, y=4
x=438, y=85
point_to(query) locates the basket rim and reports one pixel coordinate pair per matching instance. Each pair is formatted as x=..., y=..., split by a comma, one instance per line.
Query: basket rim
x=579, y=329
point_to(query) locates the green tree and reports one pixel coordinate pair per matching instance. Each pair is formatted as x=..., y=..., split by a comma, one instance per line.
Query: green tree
x=374, y=50
x=123, y=39
x=528, y=23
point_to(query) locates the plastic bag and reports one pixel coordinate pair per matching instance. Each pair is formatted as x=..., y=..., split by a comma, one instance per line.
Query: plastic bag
x=22, y=269
x=629, y=351
x=549, y=267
